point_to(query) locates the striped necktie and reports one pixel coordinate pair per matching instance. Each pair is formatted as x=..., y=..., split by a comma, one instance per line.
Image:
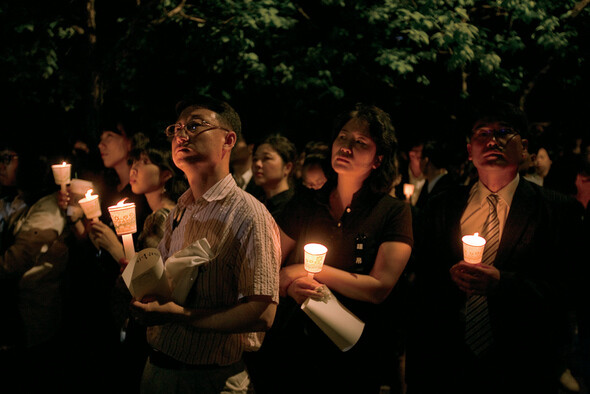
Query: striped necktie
x=478, y=331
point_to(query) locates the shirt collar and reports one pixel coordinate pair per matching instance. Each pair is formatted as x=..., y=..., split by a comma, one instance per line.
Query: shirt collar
x=215, y=193
x=506, y=194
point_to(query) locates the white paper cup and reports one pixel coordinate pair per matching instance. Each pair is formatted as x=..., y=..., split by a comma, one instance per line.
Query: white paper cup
x=91, y=206
x=473, y=246
x=314, y=257
x=61, y=173
x=123, y=216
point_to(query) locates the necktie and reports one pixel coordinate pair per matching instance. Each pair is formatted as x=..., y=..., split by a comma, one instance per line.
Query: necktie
x=478, y=331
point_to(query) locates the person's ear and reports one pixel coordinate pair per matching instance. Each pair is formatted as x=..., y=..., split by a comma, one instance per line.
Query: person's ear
x=288, y=168
x=230, y=140
x=377, y=163
x=525, y=147
x=165, y=175
x=469, y=152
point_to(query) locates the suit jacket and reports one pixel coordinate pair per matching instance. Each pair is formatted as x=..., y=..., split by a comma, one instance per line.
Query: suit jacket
x=445, y=182
x=536, y=259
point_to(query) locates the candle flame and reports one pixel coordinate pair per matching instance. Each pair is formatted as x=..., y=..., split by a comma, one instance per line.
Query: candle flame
x=122, y=201
x=89, y=193
x=63, y=164
x=476, y=234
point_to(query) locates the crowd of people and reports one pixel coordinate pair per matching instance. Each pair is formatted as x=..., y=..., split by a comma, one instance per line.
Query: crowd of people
x=517, y=322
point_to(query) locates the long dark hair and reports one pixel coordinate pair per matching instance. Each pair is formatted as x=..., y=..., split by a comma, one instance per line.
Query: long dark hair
x=382, y=132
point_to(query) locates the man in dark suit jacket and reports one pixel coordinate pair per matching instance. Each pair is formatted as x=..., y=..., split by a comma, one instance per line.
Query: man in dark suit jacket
x=524, y=285
x=434, y=165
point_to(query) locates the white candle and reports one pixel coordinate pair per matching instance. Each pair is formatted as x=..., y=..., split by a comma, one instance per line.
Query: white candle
x=315, y=255
x=473, y=246
x=128, y=246
x=61, y=174
x=91, y=206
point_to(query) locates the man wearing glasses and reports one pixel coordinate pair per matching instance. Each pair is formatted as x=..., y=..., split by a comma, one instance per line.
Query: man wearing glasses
x=496, y=326
x=198, y=346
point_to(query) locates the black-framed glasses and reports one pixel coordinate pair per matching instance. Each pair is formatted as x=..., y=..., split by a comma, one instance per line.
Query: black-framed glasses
x=487, y=133
x=7, y=158
x=192, y=128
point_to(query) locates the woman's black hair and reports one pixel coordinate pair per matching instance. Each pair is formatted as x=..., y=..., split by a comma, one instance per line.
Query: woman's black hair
x=162, y=158
x=382, y=133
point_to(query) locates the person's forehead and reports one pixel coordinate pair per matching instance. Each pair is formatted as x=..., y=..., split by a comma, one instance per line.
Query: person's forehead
x=490, y=123
x=195, y=112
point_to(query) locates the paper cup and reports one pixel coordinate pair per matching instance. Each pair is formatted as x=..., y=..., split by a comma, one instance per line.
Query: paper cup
x=123, y=216
x=314, y=257
x=473, y=246
x=91, y=206
x=61, y=173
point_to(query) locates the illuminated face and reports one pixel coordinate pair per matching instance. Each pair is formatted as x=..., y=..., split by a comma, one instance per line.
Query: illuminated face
x=268, y=167
x=145, y=177
x=354, y=151
x=492, y=149
x=114, y=148
x=8, y=167
x=313, y=176
x=543, y=162
x=205, y=146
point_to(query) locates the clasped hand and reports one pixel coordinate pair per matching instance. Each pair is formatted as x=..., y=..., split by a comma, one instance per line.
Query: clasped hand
x=295, y=282
x=473, y=279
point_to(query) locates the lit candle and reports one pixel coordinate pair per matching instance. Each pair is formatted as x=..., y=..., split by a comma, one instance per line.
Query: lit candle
x=473, y=246
x=408, y=190
x=61, y=174
x=91, y=206
x=123, y=215
x=315, y=255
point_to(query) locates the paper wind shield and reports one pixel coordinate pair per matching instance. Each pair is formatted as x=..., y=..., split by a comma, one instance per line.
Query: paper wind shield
x=335, y=320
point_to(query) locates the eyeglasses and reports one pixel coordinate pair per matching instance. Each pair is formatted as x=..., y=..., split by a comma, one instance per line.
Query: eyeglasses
x=192, y=128
x=486, y=134
x=7, y=158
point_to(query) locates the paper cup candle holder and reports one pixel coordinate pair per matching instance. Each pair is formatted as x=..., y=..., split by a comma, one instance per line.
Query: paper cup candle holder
x=123, y=215
x=91, y=206
x=473, y=246
x=315, y=254
x=62, y=173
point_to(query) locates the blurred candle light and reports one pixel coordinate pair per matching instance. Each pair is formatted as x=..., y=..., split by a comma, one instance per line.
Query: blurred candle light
x=91, y=206
x=315, y=255
x=62, y=173
x=123, y=215
x=408, y=190
x=473, y=246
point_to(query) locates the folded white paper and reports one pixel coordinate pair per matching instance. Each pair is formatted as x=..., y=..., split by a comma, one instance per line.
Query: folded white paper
x=336, y=321
x=183, y=268
x=145, y=274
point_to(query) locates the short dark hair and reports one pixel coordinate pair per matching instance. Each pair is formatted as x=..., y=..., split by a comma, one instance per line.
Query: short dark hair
x=500, y=111
x=228, y=116
x=382, y=132
x=284, y=147
x=437, y=153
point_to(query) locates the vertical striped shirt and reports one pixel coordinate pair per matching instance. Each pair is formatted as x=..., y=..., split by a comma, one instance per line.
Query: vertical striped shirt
x=245, y=241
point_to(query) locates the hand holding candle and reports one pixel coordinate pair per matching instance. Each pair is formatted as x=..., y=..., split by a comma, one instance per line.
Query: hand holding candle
x=61, y=174
x=91, y=206
x=473, y=246
x=315, y=255
x=123, y=215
